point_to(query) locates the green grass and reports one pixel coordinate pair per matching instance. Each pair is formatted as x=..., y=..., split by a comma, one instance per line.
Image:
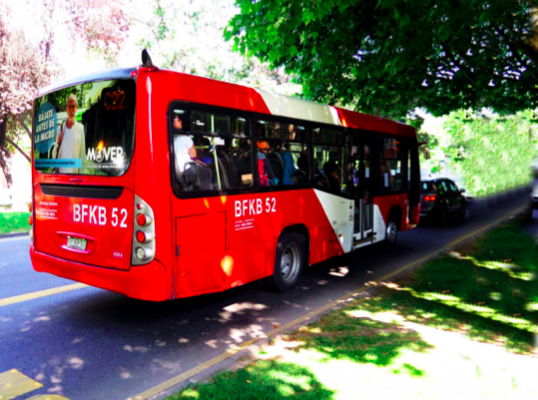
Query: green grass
x=488, y=289
x=376, y=346
x=12, y=222
x=262, y=380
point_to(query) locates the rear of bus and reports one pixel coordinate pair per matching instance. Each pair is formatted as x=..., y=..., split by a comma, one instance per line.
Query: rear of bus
x=88, y=223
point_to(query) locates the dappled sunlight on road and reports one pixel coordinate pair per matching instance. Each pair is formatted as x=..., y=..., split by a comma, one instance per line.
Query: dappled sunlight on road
x=240, y=309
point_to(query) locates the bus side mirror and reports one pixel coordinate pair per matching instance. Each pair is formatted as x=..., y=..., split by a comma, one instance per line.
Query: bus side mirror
x=462, y=190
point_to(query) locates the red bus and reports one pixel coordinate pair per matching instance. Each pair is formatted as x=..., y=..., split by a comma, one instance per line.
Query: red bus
x=161, y=185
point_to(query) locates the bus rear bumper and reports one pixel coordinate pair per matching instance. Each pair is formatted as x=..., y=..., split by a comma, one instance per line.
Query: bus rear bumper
x=147, y=282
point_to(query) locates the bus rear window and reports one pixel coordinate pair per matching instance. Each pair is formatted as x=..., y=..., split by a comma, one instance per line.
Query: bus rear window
x=87, y=129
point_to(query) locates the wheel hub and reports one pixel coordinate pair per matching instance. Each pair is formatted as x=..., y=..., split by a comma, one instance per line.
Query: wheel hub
x=289, y=263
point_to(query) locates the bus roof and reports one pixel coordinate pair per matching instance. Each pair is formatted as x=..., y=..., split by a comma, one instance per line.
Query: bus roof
x=259, y=100
x=107, y=75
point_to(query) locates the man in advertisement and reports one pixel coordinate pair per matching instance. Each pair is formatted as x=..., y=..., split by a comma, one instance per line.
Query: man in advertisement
x=70, y=140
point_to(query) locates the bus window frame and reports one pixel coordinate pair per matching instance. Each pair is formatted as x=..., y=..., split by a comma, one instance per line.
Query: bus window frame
x=345, y=132
x=174, y=104
x=406, y=148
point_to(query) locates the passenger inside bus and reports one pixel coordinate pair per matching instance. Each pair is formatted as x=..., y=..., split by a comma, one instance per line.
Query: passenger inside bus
x=331, y=171
x=265, y=170
x=183, y=145
x=289, y=164
x=242, y=162
x=385, y=175
x=291, y=132
x=301, y=174
x=192, y=173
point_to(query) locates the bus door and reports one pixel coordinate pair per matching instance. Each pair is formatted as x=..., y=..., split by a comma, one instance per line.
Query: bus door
x=363, y=182
x=200, y=249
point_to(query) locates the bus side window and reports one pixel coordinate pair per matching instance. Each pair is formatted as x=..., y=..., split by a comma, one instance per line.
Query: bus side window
x=212, y=150
x=333, y=169
x=282, y=153
x=392, y=166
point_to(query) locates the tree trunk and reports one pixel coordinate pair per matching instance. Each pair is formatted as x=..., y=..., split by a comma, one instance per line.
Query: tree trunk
x=20, y=150
x=23, y=124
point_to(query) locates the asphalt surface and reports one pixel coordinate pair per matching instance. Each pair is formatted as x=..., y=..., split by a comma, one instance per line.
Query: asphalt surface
x=93, y=344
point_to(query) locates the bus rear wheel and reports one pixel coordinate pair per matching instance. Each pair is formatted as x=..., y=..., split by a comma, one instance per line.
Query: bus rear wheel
x=289, y=263
x=391, y=234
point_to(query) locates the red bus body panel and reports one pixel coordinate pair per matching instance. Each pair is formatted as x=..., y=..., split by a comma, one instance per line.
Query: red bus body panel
x=148, y=282
x=107, y=225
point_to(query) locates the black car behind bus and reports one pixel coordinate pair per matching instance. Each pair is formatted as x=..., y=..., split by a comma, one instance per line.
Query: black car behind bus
x=441, y=199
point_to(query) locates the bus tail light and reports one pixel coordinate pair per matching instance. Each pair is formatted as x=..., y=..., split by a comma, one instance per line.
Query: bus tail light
x=30, y=220
x=429, y=198
x=144, y=233
x=142, y=219
x=140, y=237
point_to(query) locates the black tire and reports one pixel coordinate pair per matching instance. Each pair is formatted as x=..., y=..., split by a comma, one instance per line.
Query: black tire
x=289, y=263
x=530, y=211
x=391, y=231
x=462, y=212
x=443, y=215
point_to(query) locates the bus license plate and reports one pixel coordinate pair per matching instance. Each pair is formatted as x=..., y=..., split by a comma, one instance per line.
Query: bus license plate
x=76, y=243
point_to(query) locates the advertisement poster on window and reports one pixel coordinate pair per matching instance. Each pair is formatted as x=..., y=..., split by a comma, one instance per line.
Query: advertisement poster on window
x=87, y=129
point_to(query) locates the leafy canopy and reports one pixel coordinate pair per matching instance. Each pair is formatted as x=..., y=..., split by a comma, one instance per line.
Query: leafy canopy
x=387, y=57
x=27, y=66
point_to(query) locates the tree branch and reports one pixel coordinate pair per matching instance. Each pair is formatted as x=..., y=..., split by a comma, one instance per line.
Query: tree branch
x=528, y=50
x=18, y=148
x=23, y=124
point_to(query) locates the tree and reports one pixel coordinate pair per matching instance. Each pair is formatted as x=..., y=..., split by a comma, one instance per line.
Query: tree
x=27, y=66
x=186, y=36
x=388, y=57
x=490, y=153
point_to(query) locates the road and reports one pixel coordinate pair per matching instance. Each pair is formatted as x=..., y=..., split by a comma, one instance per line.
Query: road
x=92, y=344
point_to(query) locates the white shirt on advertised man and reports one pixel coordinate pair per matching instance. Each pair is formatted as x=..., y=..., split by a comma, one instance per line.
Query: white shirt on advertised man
x=68, y=149
x=73, y=146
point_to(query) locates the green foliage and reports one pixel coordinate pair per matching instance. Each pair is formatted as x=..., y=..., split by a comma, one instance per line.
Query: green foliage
x=161, y=29
x=491, y=154
x=11, y=222
x=391, y=56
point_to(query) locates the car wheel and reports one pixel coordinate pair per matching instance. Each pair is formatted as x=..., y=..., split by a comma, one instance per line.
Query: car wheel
x=391, y=233
x=443, y=215
x=289, y=263
x=463, y=212
x=530, y=211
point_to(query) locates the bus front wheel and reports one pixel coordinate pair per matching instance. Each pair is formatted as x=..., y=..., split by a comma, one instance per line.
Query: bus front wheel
x=289, y=263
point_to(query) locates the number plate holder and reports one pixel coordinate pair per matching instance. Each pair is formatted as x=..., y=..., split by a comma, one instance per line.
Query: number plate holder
x=76, y=243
